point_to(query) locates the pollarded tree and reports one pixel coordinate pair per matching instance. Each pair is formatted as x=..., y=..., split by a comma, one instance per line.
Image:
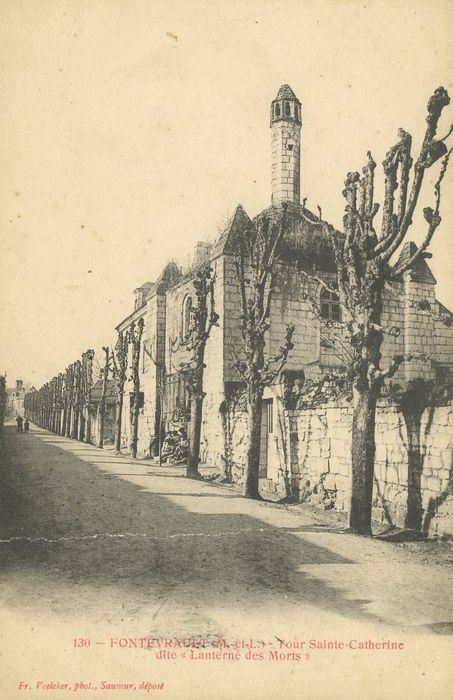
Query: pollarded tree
x=364, y=266
x=101, y=410
x=86, y=382
x=76, y=398
x=256, y=249
x=67, y=386
x=203, y=318
x=60, y=403
x=135, y=336
x=119, y=371
x=71, y=393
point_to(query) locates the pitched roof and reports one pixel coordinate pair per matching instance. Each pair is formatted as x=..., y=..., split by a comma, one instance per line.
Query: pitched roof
x=420, y=271
x=168, y=277
x=96, y=391
x=238, y=222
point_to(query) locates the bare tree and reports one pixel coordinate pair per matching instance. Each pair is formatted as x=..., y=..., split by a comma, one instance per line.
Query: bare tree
x=86, y=382
x=136, y=333
x=66, y=393
x=70, y=389
x=76, y=392
x=363, y=262
x=101, y=408
x=255, y=251
x=203, y=318
x=119, y=370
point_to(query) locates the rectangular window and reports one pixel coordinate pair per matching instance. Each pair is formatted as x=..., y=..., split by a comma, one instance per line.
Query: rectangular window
x=270, y=416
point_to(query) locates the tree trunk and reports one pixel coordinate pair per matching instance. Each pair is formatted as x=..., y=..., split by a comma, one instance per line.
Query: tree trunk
x=362, y=454
x=134, y=423
x=64, y=419
x=101, y=420
x=196, y=414
x=412, y=417
x=101, y=413
x=69, y=420
x=81, y=433
x=251, y=475
x=75, y=424
x=118, y=421
x=87, y=424
x=227, y=467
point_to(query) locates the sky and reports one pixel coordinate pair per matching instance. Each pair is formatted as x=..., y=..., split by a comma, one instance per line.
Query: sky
x=131, y=129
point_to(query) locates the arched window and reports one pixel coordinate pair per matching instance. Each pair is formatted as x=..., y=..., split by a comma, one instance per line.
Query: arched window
x=330, y=306
x=287, y=109
x=277, y=110
x=186, y=316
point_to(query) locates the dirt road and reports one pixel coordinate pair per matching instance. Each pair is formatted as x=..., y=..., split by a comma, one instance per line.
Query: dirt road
x=107, y=549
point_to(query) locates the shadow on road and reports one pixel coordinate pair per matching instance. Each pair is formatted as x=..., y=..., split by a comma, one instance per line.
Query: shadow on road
x=118, y=534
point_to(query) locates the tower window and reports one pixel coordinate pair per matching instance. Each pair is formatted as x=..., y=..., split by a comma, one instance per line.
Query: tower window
x=277, y=110
x=330, y=306
x=287, y=109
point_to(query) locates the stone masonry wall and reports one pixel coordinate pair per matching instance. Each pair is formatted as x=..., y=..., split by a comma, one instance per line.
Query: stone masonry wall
x=443, y=341
x=418, y=328
x=315, y=454
x=212, y=437
x=320, y=444
x=152, y=352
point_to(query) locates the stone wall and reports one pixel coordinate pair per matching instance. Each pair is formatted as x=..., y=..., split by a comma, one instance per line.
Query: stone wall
x=418, y=327
x=151, y=354
x=313, y=458
x=443, y=338
x=393, y=316
x=320, y=444
x=109, y=424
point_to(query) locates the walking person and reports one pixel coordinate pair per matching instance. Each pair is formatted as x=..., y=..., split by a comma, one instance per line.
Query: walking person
x=26, y=425
x=19, y=421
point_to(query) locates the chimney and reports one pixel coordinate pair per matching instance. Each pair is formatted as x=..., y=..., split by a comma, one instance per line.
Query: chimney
x=203, y=252
x=19, y=385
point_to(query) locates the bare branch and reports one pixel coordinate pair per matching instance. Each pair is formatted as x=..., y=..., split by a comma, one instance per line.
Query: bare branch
x=269, y=373
x=397, y=361
x=448, y=134
x=432, y=217
x=431, y=151
x=320, y=281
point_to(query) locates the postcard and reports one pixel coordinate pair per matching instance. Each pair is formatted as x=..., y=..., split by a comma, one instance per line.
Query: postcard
x=226, y=374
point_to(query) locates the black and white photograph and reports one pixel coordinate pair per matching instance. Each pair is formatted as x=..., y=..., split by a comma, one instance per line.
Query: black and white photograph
x=226, y=360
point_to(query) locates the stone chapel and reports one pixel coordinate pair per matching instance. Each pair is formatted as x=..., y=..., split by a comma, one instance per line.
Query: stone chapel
x=165, y=307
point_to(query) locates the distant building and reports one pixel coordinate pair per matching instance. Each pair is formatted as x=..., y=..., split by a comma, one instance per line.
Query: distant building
x=109, y=411
x=15, y=399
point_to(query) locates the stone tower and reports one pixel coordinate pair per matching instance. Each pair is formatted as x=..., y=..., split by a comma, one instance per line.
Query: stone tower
x=286, y=121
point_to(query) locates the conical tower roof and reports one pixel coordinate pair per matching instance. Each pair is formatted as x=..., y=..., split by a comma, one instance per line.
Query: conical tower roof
x=285, y=93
